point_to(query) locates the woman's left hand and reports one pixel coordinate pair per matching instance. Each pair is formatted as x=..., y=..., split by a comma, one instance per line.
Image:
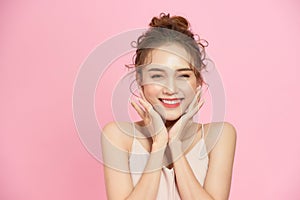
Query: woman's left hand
x=186, y=119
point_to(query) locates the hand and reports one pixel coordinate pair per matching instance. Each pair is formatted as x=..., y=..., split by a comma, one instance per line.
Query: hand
x=186, y=119
x=153, y=122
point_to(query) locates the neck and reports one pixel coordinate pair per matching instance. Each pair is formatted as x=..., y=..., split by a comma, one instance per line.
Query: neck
x=170, y=123
x=190, y=128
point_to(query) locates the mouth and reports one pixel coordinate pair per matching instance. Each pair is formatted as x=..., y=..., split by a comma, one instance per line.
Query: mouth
x=171, y=102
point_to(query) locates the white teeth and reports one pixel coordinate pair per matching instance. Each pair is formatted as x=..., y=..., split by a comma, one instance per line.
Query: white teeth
x=171, y=101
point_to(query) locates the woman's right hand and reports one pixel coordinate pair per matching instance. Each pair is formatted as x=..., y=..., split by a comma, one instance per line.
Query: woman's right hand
x=153, y=123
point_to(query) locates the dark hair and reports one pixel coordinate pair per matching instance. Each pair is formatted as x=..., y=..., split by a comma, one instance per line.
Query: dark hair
x=176, y=29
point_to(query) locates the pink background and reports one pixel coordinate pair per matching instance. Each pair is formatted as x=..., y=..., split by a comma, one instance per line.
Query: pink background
x=254, y=44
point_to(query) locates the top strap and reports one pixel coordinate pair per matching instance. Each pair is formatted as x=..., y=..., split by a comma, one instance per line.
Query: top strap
x=134, y=130
x=202, y=131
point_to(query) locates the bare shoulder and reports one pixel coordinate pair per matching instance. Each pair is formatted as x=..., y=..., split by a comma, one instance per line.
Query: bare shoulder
x=227, y=138
x=229, y=133
x=226, y=129
x=118, y=134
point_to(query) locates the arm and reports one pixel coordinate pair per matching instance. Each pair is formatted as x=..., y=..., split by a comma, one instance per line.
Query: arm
x=118, y=183
x=218, y=178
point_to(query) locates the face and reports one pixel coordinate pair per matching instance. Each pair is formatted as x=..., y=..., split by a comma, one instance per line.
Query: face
x=168, y=82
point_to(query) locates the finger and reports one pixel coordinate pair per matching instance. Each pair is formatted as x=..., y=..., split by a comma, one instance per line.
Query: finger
x=194, y=110
x=145, y=100
x=138, y=109
x=199, y=93
x=205, y=90
x=142, y=94
x=197, y=97
x=145, y=104
x=197, y=108
x=194, y=101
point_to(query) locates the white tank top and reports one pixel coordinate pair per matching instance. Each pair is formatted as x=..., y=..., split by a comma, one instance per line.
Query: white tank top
x=197, y=158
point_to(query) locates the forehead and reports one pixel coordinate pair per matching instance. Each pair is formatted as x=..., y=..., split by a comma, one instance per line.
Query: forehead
x=170, y=56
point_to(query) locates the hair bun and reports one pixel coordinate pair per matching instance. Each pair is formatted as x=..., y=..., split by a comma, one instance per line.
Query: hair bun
x=176, y=23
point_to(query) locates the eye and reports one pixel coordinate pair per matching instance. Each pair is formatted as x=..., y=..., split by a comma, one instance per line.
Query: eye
x=154, y=76
x=184, y=76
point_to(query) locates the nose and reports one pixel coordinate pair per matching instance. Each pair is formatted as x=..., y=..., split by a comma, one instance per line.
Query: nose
x=170, y=87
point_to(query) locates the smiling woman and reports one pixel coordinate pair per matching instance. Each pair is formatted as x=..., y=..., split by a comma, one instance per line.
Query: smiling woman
x=164, y=156
x=169, y=83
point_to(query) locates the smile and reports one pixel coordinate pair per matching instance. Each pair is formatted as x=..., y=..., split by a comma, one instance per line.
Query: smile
x=171, y=103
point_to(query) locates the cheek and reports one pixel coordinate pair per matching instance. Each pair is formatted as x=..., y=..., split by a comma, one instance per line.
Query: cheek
x=189, y=91
x=188, y=87
x=151, y=91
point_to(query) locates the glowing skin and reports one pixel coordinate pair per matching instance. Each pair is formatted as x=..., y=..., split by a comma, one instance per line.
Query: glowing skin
x=168, y=82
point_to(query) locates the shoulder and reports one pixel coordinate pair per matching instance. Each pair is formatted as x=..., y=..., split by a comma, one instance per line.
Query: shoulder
x=118, y=134
x=225, y=129
x=228, y=132
x=227, y=136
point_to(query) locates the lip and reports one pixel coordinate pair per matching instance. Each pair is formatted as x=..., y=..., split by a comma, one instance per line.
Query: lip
x=171, y=102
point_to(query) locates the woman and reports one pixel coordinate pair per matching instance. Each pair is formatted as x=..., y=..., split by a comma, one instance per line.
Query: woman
x=159, y=156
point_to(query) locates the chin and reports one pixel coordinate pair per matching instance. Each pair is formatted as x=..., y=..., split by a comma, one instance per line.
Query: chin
x=172, y=116
x=168, y=114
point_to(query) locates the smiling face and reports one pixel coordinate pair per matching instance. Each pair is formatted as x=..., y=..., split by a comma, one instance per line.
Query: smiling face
x=168, y=82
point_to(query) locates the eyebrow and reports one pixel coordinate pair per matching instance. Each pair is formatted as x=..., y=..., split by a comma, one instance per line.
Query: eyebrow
x=161, y=70
x=184, y=69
